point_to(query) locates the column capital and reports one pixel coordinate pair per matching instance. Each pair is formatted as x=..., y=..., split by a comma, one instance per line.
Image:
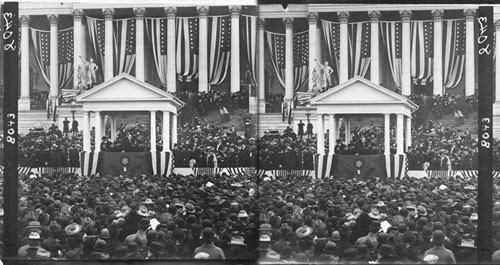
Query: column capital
x=497, y=24
x=202, y=11
x=374, y=15
x=77, y=14
x=288, y=22
x=469, y=14
x=343, y=16
x=405, y=15
x=261, y=23
x=171, y=11
x=313, y=17
x=140, y=12
x=53, y=18
x=108, y=13
x=437, y=14
x=24, y=20
x=235, y=11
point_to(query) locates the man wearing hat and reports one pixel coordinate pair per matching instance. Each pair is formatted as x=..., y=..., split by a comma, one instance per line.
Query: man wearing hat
x=445, y=255
x=33, y=250
x=140, y=236
x=208, y=246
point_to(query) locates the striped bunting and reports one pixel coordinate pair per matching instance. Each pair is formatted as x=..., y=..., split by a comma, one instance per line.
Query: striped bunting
x=161, y=163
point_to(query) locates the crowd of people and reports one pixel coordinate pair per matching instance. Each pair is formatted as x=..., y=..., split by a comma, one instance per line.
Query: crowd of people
x=297, y=219
x=204, y=102
x=201, y=144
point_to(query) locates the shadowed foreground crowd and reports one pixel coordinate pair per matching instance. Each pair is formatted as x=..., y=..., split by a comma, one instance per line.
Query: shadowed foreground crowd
x=222, y=217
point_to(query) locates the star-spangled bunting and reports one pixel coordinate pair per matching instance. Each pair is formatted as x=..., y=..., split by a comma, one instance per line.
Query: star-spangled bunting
x=187, y=48
x=300, y=60
x=422, y=52
x=124, y=45
x=331, y=33
x=219, y=48
x=391, y=37
x=453, y=52
x=359, y=48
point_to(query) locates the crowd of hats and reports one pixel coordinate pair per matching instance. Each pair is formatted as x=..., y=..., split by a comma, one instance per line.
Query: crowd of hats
x=66, y=216
x=306, y=220
x=49, y=148
x=201, y=144
x=204, y=102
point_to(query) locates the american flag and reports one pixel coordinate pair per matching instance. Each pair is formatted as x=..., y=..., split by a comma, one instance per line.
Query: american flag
x=454, y=52
x=96, y=33
x=359, y=48
x=124, y=45
x=219, y=46
x=41, y=48
x=248, y=27
x=187, y=48
x=331, y=33
x=157, y=34
x=65, y=54
x=391, y=36
x=300, y=60
x=276, y=49
x=422, y=47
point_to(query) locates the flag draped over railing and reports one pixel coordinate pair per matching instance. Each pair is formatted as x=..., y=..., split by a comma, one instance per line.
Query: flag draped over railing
x=453, y=52
x=300, y=60
x=187, y=48
x=156, y=29
x=331, y=33
x=359, y=48
x=219, y=47
x=422, y=52
x=41, y=48
x=124, y=45
x=248, y=30
x=391, y=37
x=96, y=34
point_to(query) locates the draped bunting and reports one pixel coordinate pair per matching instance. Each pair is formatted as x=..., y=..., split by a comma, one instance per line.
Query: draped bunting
x=331, y=33
x=156, y=29
x=248, y=31
x=187, y=48
x=391, y=37
x=453, y=52
x=300, y=60
x=276, y=50
x=422, y=52
x=124, y=45
x=219, y=46
x=96, y=34
x=41, y=48
x=359, y=48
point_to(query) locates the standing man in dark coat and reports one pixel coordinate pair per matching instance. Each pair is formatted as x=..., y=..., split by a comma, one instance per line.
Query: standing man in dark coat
x=309, y=131
x=301, y=129
x=74, y=127
x=65, y=127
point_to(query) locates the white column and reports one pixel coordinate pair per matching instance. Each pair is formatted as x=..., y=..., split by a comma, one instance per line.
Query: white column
x=261, y=90
x=374, y=47
x=497, y=62
x=77, y=43
x=86, y=131
x=347, y=130
x=288, y=58
x=98, y=130
x=320, y=135
x=171, y=57
x=405, y=53
x=438, y=51
x=313, y=25
x=408, y=131
x=152, y=128
x=24, y=100
x=165, y=132
x=399, y=134
x=108, y=43
x=344, y=50
x=332, y=134
x=470, y=82
x=203, y=49
x=54, y=58
x=337, y=127
x=174, y=129
x=139, y=42
x=387, y=134
x=113, y=126
x=235, y=48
